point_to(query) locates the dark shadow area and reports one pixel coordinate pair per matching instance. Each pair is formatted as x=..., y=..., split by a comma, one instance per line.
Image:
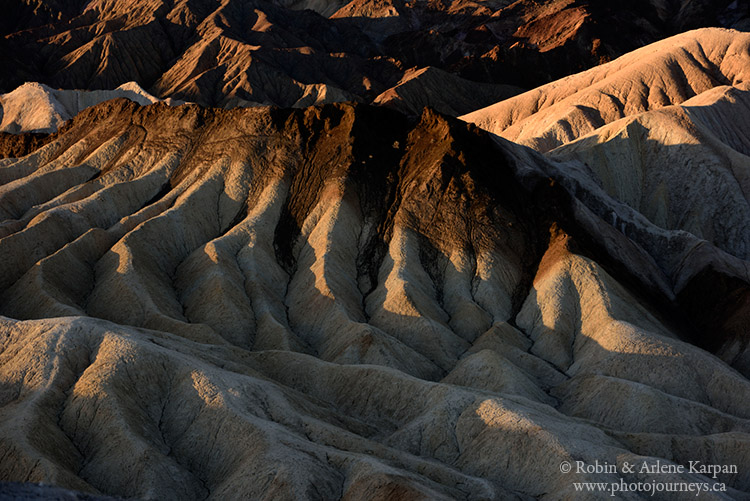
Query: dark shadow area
x=684, y=187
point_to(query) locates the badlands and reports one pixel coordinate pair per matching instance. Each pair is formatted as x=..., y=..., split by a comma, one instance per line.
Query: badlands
x=372, y=299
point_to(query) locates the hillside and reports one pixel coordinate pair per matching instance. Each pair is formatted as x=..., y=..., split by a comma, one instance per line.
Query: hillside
x=393, y=306
x=279, y=52
x=296, y=249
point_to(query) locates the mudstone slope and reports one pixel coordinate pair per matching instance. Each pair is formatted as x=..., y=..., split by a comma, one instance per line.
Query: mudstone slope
x=344, y=301
x=336, y=302
x=305, y=52
x=657, y=140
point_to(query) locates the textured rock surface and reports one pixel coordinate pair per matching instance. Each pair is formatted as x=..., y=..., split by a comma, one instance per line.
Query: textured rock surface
x=338, y=302
x=280, y=52
x=655, y=143
x=662, y=74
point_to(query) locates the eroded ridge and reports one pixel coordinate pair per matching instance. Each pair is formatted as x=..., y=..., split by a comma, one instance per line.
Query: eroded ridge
x=336, y=302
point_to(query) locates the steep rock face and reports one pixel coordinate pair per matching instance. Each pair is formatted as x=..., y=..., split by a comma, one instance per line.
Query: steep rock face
x=401, y=199
x=337, y=302
x=279, y=52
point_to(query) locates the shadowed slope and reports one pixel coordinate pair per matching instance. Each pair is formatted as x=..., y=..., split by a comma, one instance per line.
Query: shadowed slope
x=299, y=53
x=656, y=144
x=337, y=302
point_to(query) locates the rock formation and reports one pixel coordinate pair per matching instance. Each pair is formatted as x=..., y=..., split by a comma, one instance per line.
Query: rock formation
x=662, y=74
x=372, y=299
x=278, y=52
x=657, y=142
x=336, y=302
